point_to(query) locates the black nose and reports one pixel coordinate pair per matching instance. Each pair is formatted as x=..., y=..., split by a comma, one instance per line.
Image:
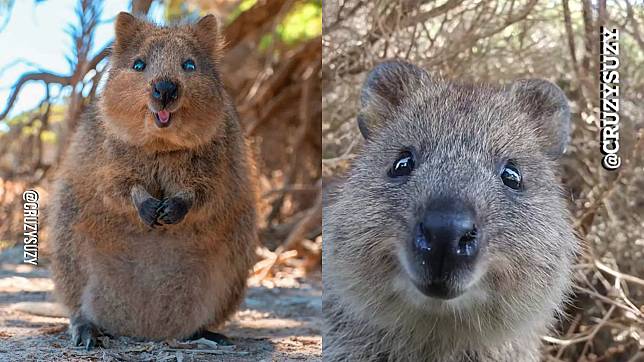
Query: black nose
x=165, y=91
x=446, y=244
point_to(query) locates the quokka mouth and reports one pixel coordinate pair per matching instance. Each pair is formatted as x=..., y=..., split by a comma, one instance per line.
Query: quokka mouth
x=162, y=118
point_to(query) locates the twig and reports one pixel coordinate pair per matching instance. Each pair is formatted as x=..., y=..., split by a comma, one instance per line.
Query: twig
x=46, y=77
x=636, y=312
x=619, y=275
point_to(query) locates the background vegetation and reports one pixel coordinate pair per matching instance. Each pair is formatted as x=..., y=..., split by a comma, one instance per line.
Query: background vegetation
x=499, y=41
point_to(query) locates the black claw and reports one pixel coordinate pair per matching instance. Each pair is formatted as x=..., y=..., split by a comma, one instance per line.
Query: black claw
x=172, y=210
x=162, y=206
x=148, y=212
x=89, y=344
x=84, y=334
x=76, y=340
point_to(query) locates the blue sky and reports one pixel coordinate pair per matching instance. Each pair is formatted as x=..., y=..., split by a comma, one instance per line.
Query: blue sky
x=36, y=33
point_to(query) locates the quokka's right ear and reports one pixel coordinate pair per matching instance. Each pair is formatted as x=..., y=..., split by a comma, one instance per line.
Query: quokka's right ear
x=547, y=107
x=385, y=88
x=208, y=33
x=126, y=27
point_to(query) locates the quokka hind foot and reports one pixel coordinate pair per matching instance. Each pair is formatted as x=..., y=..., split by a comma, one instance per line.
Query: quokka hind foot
x=83, y=333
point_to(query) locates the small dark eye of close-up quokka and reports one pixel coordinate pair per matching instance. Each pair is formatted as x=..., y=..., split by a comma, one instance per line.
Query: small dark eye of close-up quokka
x=450, y=239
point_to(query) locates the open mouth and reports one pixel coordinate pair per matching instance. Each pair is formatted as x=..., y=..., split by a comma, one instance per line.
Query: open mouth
x=162, y=118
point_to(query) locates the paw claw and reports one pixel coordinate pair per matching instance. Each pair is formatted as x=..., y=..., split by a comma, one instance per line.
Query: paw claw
x=89, y=344
x=172, y=210
x=76, y=340
x=148, y=212
x=84, y=334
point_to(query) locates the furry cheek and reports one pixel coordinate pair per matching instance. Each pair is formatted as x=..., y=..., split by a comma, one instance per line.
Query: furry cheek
x=199, y=116
x=124, y=102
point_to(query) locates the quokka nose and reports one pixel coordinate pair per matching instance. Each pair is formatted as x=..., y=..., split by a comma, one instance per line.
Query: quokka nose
x=165, y=91
x=446, y=241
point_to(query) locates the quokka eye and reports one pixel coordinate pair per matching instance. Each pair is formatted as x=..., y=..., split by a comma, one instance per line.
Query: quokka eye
x=138, y=65
x=403, y=166
x=511, y=176
x=189, y=65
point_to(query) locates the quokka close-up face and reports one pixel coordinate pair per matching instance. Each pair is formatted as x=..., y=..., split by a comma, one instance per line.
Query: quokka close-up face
x=163, y=86
x=455, y=169
x=452, y=223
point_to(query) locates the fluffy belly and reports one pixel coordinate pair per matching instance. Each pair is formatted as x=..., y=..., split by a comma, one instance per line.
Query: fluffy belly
x=162, y=291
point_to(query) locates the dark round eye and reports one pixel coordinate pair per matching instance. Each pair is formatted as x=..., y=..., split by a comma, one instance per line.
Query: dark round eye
x=138, y=65
x=189, y=65
x=403, y=165
x=511, y=176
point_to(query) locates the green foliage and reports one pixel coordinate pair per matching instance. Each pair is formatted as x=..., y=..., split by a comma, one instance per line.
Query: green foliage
x=18, y=119
x=48, y=137
x=302, y=23
x=243, y=6
x=6, y=244
x=176, y=10
x=56, y=115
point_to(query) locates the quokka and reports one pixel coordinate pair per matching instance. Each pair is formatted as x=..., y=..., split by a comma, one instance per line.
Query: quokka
x=153, y=220
x=450, y=239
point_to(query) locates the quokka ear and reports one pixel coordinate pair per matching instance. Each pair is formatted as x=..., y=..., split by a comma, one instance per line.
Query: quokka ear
x=386, y=86
x=208, y=33
x=547, y=106
x=127, y=28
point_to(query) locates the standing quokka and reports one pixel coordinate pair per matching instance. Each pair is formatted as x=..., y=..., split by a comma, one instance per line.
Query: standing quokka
x=153, y=217
x=451, y=239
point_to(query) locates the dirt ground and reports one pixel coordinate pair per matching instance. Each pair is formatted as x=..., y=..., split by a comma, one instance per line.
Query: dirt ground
x=279, y=321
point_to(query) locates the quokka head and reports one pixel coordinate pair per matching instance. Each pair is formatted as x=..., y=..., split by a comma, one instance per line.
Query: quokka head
x=164, y=87
x=454, y=203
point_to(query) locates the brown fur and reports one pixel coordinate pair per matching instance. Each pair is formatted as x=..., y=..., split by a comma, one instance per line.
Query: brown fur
x=461, y=134
x=110, y=269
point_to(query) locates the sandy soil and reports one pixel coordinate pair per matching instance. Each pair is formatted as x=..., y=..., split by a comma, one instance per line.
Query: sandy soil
x=279, y=321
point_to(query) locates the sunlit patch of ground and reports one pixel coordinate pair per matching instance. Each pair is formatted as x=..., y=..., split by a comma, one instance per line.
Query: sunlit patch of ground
x=279, y=321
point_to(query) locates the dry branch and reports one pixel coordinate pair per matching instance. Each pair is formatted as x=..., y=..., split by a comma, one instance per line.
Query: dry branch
x=46, y=77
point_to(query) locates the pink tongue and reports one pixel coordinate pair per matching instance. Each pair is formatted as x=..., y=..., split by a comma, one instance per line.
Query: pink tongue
x=164, y=116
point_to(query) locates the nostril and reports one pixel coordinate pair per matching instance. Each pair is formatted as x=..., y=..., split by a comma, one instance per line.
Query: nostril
x=467, y=244
x=420, y=239
x=165, y=91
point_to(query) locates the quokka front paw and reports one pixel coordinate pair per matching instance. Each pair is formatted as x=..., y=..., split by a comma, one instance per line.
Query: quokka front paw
x=84, y=334
x=172, y=210
x=148, y=211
